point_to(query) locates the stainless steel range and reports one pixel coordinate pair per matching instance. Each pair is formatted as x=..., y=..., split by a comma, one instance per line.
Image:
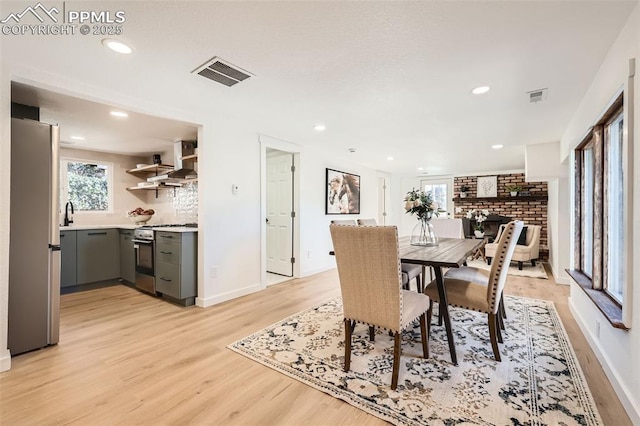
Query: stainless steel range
x=144, y=245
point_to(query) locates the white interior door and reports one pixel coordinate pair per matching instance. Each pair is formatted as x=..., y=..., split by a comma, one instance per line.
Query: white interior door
x=279, y=213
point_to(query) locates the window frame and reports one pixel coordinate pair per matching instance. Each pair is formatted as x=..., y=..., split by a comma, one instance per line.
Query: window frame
x=598, y=139
x=448, y=181
x=64, y=185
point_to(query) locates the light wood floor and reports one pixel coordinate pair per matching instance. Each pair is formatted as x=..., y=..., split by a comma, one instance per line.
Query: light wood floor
x=127, y=358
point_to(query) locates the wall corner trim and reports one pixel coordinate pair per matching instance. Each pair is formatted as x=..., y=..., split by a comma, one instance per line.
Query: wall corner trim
x=223, y=297
x=5, y=361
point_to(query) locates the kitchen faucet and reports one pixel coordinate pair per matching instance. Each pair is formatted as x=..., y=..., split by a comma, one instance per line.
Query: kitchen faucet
x=68, y=221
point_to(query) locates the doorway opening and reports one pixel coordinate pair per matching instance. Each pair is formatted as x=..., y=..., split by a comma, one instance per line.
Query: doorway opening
x=279, y=206
x=280, y=216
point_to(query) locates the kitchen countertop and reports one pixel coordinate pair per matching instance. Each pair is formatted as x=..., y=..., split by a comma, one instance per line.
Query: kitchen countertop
x=84, y=227
x=176, y=229
x=128, y=226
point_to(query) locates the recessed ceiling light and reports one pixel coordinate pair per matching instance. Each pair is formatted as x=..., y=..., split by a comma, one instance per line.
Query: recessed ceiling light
x=320, y=127
x=480, y=90
x=78, y=138
x=498, y=146
x=390, y=158
x=117, y=46
x=420, y=169
x=119, y=114
x=352, y=150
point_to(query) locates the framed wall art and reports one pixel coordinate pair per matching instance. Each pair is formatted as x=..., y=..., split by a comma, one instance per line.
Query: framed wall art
x=487, y=186
x=342, y=193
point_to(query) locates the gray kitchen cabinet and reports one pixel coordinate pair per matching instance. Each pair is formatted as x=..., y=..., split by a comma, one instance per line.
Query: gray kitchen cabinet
x=68, y=258
x=98, y=256
x=176, y=265
x=127, y=256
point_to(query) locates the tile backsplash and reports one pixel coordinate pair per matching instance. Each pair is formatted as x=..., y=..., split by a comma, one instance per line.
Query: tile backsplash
x=185, y=202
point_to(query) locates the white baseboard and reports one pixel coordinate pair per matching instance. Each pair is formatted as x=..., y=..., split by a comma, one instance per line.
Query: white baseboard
x=219, y=298
x=633, y=410
x=559, y=280
x=5, y=361
x=317, y=271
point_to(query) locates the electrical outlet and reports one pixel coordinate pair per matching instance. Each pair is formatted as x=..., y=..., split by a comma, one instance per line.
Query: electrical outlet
x=309, y=254
x=598, y=329
x=214, y=272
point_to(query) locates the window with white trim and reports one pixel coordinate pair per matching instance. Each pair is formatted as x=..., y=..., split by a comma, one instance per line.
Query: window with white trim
x=441, y=192
x=88, y=185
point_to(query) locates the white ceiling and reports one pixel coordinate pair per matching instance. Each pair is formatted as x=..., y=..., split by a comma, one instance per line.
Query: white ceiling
x=387, y=78
x=137, y=134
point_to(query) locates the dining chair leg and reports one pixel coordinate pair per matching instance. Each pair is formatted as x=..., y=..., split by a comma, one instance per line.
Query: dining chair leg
x=503, y=311
x=498, y=320
x=372, y=333
x=396, y=360
x=347, y=344
x=424, y=334
x=419, y=286
x=353, y=326
x=439, y=313
x=493, y=337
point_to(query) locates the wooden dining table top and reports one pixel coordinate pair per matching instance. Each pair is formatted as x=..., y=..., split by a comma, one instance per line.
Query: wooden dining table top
x=450, y=252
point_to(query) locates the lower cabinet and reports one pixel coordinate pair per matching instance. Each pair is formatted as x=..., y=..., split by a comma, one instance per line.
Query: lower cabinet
x=127, y=256
x=176, y=265
x=68, y=258
x=97, y=255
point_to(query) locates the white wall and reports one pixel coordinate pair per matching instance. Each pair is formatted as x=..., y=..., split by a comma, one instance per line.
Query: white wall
x=5, y=176
x=617, y=350
x=123, y=200
x=559, y=231
x=543, y=163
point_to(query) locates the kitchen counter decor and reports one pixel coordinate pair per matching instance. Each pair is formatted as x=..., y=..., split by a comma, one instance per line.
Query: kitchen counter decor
x=140, y=216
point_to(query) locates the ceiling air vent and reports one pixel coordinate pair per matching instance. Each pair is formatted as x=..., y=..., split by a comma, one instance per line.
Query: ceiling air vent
x=222, y=71
x=537, y=95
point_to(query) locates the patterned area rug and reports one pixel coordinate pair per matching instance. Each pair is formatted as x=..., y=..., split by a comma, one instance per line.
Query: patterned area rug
x=538, y=382
x=527, y=270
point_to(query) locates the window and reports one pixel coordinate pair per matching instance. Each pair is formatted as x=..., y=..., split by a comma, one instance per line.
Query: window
x=441, y=192
x=599, y=215
x=614, y=252
x=88, y=186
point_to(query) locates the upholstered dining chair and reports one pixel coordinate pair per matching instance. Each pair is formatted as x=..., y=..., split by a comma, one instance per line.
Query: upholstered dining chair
x=478, y=276
x=370, y=282
x=477, y=296
x=448, y=228
x=344, y=222
x=409, y=271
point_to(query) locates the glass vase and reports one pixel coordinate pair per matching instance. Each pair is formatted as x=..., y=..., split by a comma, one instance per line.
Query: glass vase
x=423, y=234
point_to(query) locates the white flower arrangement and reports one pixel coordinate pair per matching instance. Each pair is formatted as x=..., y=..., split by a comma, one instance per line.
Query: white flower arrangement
x=479, y=216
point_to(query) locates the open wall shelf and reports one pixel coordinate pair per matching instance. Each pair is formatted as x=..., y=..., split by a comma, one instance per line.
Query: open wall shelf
x=518, y=198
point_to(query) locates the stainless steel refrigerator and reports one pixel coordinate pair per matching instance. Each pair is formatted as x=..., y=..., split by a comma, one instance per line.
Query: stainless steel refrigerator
x=34, y=251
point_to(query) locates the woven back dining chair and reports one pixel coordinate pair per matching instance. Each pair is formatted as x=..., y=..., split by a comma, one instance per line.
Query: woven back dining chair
x=344, y=222
x=483, y=297
x=371, y=285
x=409, y=271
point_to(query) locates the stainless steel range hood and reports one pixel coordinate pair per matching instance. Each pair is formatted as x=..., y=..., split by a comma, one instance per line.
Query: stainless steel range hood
x=183, y=169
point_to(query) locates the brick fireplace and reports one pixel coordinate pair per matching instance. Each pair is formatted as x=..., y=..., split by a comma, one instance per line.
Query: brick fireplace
x=530, y=208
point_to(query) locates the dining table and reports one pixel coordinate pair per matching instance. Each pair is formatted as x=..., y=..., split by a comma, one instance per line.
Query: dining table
x=449, y=253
